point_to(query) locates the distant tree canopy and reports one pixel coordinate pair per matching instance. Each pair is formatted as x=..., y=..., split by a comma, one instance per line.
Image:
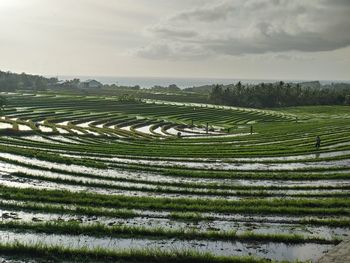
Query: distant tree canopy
x=74, y=83
x=12, y=81
x=128, y=98
x=170, y=88
x=268, y=95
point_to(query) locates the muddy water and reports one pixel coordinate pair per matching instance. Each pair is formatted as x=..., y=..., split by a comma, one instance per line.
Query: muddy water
x=245, y=159
x=219, y=217
x=295, y=157
x=153, y=177
x=238, y=166
x=314, y=183
x=140, y=188
x=13, y=181
x=149, y=222
x=17, y=259
x=271, y=250
x=229, y=194
x=214, y=163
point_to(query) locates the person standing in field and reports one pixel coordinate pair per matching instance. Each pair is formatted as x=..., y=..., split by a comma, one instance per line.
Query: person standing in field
x=318, y=142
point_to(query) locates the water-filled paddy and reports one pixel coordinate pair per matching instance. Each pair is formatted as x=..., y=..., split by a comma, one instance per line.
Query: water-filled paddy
x=86, y=163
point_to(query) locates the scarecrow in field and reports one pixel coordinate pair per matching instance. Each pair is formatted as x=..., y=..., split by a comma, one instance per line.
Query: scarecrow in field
x=318, y=142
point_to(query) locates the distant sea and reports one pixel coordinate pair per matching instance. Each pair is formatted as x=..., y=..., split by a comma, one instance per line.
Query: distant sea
x=148, y=82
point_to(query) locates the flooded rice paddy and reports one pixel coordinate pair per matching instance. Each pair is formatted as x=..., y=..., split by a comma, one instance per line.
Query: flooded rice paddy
x=126, y=168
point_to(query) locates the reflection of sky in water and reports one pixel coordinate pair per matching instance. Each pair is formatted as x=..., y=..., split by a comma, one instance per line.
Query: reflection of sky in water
x=277, y=251
x=147, y=177
x=149, y=221
x=233, y=166
x=4, y=125
x=6, y=168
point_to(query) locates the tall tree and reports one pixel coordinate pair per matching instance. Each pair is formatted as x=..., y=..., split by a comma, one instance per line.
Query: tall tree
x=279, y=94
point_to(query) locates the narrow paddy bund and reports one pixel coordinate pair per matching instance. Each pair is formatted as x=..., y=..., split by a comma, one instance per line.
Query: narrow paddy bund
x=95, y=179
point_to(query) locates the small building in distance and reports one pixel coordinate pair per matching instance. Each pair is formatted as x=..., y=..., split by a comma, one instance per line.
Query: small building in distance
x=91, y=84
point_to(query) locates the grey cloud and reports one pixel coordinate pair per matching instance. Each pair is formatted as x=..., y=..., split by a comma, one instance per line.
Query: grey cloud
x=155, y=51
x=279, y=42
x=253, y=27
x=208, y=13
x=343, y=3
x=163, y=50
x=166, y=31
x=289, y=57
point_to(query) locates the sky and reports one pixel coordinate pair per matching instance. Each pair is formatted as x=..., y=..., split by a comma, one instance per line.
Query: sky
x=243, y=39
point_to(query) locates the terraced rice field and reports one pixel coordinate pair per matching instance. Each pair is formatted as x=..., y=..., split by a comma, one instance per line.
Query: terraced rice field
x=97, y=179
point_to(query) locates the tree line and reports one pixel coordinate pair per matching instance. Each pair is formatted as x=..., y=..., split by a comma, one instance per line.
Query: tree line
x=269, y=95
x=11, y=81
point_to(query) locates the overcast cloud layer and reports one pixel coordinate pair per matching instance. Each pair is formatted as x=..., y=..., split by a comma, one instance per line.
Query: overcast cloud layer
x=272, y=39
x=252, y=27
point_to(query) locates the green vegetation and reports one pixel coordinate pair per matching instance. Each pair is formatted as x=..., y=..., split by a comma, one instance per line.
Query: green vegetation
x=336, y=206
x=12, y=82
x=99, y=230
x=55, y=253
x=113, y=168
x=268, y=95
